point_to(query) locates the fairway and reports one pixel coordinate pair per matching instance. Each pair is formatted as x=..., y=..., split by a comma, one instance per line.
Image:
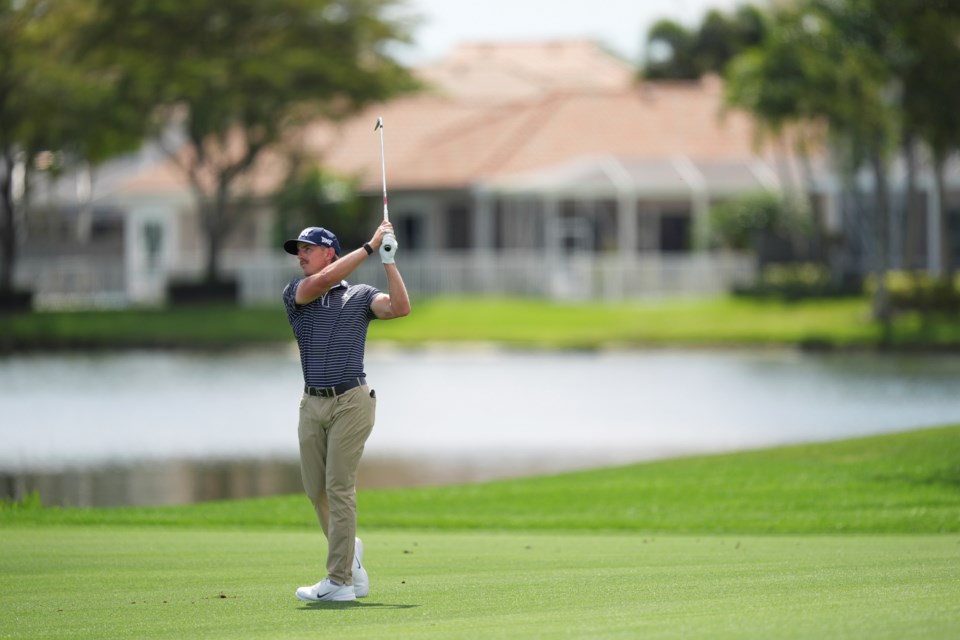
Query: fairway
x=851, y=539
x=120, y=582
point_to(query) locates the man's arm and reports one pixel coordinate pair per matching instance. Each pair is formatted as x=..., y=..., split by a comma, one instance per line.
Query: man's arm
x=312, y=287
x=395, y=303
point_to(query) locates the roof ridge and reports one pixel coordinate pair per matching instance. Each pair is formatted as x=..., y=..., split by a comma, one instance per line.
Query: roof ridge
x=550, y=104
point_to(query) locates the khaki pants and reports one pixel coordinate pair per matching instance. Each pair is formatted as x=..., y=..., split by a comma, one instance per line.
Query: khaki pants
x=332, y=434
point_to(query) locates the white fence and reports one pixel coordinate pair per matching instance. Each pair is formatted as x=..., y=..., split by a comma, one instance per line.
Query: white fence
x=102, y=282
x=528, y=274
x=74, y=282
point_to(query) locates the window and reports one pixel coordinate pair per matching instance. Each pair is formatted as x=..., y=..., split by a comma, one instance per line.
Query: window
x=674, y=232
x=458, y=223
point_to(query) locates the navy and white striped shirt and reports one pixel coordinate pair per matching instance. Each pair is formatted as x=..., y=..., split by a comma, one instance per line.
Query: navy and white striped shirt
x=331, y=331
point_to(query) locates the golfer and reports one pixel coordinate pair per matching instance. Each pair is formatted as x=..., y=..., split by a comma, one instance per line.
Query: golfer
x=329, y=319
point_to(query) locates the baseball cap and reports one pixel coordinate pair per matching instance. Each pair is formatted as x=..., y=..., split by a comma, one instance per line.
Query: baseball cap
x=313, y=235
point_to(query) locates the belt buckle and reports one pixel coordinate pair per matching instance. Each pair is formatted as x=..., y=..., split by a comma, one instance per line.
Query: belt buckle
x=328, y=392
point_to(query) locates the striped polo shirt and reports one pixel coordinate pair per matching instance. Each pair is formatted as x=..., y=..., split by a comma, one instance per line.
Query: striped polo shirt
x=331, y=331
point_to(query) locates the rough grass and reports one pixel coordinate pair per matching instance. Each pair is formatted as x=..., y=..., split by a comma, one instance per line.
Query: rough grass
x=896, y=483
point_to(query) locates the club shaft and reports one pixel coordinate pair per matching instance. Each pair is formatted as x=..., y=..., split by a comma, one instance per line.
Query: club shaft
x=383, y=173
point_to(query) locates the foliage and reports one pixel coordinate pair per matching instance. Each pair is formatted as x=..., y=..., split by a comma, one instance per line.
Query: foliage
x=312, y=197
x=921, y=291
x=750, y=221
x=29, y=502
x=844, y=64
x=930, y=33
x=669, y=53
x=676, y=53
x=232, y=80
x=39, y=74
x=798, y=281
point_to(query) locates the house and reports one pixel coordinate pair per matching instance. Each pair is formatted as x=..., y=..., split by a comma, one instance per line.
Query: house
x=526, y=168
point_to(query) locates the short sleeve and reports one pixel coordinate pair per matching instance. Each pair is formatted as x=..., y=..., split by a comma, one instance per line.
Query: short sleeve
x=290, y=296
x=368, y=294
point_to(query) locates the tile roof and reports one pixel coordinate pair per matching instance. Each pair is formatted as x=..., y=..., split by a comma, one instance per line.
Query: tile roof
x=507, y=72
x=448, y=144
x=498, y=110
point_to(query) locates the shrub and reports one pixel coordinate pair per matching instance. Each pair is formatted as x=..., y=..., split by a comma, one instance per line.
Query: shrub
x=920, y=291
x=771, y=225
x=796, y=281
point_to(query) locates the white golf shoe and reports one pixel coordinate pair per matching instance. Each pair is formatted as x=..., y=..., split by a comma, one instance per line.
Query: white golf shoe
x=361, y=581
x=327, y=591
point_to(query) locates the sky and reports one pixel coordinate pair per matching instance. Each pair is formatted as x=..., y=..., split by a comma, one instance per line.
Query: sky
x=621, y=25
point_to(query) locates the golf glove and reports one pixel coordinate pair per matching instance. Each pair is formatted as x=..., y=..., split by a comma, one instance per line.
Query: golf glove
x=388, y=248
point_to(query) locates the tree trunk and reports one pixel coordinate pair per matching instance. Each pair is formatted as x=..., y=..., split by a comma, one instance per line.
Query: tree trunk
x=912, y=217
x=881, y=238
x=820, y=249
x=8, y=236
x=218, y=227
x=214, y=241
x=946, y=246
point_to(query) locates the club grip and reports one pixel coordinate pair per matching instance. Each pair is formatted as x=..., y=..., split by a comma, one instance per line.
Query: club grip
x=388, y=248
x=389, y=243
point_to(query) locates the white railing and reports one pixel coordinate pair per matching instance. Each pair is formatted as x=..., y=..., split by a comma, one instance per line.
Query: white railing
x=73, y=282
x=102, y=282
x=528, y=274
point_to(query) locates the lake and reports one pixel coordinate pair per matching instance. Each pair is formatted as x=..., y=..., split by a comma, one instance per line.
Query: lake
x=162, y=427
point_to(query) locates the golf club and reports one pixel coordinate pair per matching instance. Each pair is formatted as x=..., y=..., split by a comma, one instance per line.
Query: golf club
x=389, y=242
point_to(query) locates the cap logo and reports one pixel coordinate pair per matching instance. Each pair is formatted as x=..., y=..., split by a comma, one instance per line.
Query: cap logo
x=317, y=236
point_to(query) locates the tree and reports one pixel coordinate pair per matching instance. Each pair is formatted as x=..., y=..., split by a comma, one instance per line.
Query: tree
x=676, y=53
x=831, y=62
x=930, y=31
x=721, y=37
x=20, y=99
x=786, y=84
x=235, y=78
x=39, y=75
x=769, y=224
x=312, y=197
x=669, y=53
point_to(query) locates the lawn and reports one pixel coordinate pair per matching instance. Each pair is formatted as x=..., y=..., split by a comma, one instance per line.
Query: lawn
x=119, y=582
x=853, y=539
x=524, y=323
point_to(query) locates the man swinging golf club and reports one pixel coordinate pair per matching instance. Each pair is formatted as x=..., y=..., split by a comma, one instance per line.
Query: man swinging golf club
x=329, y=318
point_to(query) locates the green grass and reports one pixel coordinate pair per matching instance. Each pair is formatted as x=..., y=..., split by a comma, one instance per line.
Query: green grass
x=517, y=322
x=897, y=483
x=851, y=539
x=119, y=582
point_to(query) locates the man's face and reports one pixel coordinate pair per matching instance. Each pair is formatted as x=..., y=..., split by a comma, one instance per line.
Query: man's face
x=313, y=258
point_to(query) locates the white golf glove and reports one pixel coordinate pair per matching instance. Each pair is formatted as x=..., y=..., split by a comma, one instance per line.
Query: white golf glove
x=388, y=248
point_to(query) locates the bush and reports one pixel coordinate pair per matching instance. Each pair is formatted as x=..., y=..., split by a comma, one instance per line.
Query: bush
x=797, y=281
x=772, y=226
x=203, y=293
x=16, y=302
x=920, y=291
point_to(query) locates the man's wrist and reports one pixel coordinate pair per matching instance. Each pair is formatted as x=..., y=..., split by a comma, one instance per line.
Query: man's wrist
x=368, y=248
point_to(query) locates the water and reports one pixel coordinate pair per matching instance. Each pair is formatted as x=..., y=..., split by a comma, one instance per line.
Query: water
x=157, y=427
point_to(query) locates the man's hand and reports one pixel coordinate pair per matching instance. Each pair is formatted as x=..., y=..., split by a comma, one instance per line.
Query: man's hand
x=388, y=249
x=385, y=242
